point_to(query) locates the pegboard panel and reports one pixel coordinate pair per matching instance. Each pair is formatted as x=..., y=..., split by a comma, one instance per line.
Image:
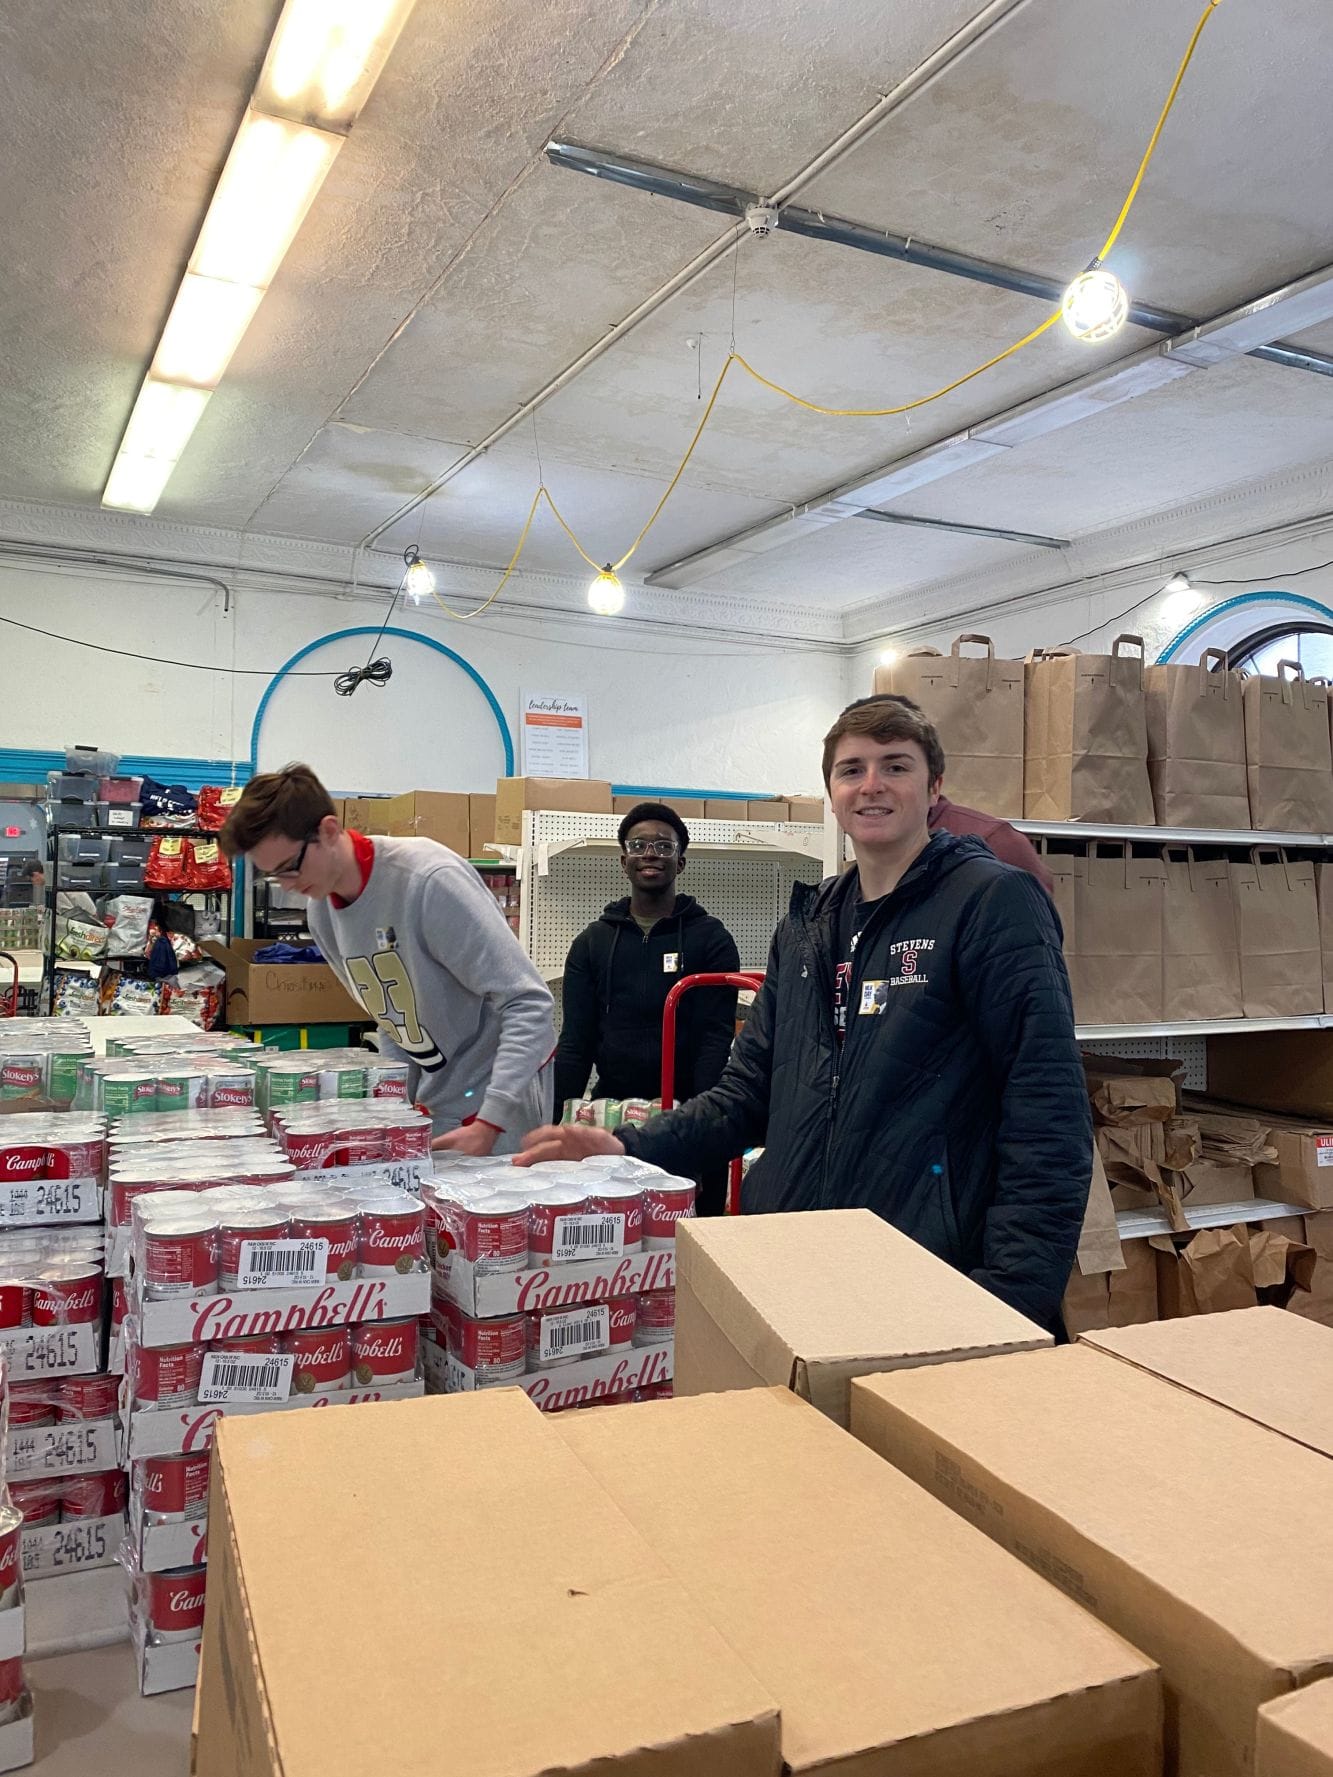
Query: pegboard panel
x=1193, y=1051
x=748, y=890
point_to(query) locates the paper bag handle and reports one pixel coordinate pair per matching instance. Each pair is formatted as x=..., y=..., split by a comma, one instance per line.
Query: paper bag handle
x=1118, y=847
x=1286, y=683
x=1206, y=672
x=1117, y=657
x=1257, y=853
x=1170, y=851
x=981, y=641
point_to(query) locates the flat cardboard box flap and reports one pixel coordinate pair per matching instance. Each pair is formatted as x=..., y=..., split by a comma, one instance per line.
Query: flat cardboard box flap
x=1296, y=1734
x=808, y=1301
x=1263, y=1362
x=281, y=993
x=464, y=1601
x=895, y=1638
x=1199, y=1536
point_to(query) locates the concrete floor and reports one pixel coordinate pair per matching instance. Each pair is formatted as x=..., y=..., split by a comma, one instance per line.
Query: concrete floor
x=89, y=1717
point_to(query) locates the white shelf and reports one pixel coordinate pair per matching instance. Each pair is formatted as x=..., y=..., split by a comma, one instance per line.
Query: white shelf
x=751, y=840
x=1199, y=1027
x=1138, y=1224
x=1233, y=836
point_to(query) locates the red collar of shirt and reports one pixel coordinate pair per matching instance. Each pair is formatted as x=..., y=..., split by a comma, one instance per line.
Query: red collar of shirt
x=365, y=862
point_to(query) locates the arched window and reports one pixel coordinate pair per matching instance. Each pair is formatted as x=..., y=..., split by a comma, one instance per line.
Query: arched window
x=1309, y=644
x=1257, y=629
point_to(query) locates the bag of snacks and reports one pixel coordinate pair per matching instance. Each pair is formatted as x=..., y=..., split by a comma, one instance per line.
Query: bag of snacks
x=167, y=864
x=205, y=866
x=215, y=804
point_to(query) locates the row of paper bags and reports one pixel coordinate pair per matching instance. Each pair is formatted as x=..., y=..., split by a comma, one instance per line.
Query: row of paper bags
x=1170, y=937
x=1065, y=736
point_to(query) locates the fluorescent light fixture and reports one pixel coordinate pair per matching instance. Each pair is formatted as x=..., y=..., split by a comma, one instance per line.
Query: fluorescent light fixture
x=269, y=182
x=136, y=483
x=164, y=417
x=207, y=322
x=325, y=57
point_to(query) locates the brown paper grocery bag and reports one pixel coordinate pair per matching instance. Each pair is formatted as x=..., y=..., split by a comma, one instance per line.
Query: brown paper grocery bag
x=1277, y=921
x=1200, y=945
x=1099, y=1240
x=1288, y=752
x=1118, y=912
x=1323, y=883
x=1086, y=736
x=977, y=706
x=1123, y=1298
x=1196, y=744
x=1065, y=869
x=1207, y=1274
x=1279, y=1262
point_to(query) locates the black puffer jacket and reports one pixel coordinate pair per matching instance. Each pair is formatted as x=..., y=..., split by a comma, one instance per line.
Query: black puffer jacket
x=959, y=1112
x=617, y=978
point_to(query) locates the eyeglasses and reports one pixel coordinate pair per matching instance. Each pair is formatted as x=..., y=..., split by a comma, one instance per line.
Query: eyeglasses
x=652, y=848
x=288, y=870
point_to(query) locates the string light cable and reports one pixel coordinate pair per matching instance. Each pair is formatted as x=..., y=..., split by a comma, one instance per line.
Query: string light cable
x=737, y=360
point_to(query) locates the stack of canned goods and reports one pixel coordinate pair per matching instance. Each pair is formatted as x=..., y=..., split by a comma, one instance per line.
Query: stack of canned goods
x=368, y=1354
x=504, y=1347
x=39, y=1058
x=609, y=1113
x=57, y=1290
x=132, y=1085
x=503, y=1218
x=198, y=1042
x=310, y=1076
x=69, y=1498
x=244, y=1164
x=51, y=1145
x=193, y=1243
x=150, y=1128
x=319, y=1137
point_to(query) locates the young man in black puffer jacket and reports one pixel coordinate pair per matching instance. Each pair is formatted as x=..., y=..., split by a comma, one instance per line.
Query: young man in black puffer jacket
x=912, y=1050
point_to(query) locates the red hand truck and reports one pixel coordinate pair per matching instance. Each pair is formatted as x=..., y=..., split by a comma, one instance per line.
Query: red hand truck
x=746, y=983
x=9, y=996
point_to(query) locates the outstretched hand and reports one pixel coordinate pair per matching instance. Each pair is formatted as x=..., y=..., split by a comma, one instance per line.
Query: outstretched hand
x=566, y=1141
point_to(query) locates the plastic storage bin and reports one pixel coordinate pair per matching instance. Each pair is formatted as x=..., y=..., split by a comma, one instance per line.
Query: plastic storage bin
x=115, y=817
x=71, y=786
x=119, y=789
x=84, y=848
x=93, y=760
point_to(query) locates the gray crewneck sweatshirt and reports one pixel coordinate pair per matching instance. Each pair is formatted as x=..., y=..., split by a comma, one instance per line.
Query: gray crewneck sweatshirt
x=428, y=953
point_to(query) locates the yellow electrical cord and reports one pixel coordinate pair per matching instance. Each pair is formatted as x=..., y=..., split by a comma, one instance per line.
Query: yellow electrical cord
x=860, y=413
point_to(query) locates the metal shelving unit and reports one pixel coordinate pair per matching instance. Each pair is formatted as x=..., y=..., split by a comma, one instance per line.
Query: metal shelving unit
x=1139, y=1224
x=1241, y=839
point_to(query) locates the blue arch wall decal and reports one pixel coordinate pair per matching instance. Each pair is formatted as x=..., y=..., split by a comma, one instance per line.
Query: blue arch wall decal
x=404, y=635
x=1193, y=627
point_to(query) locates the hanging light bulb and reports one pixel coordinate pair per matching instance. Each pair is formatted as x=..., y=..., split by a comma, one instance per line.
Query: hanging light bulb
x=1179, y=582
x=1095, y=305
x=606, y=595
x=1180, y=597
x=418, y=581
x=889, y=657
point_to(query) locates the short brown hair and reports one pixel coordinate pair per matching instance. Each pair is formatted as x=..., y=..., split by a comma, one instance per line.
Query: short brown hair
x=292, y=802
x=883, y=719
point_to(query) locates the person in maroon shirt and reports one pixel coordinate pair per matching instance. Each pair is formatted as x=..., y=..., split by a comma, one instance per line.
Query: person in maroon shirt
x=1009, y=845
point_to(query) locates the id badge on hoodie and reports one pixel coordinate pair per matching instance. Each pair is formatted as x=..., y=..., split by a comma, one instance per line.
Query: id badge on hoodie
x=671, y=963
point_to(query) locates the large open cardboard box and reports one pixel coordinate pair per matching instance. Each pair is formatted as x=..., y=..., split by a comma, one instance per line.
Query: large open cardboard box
x=808, y=1301
x=440, y=1588
x=281, y=993
x=1200, y=1536
x=897, y=1640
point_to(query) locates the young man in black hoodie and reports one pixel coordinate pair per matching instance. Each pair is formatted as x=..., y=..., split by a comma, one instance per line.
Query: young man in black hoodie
x=912, y=1050
x=620, y=970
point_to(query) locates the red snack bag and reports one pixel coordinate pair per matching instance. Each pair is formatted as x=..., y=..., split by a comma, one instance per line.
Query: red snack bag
x=215, y=804
x=166, y=864
x=206, y=868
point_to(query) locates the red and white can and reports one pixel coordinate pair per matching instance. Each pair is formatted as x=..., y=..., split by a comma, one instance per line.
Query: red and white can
x=76, y=1159
x=250, y=1345
x=323, y=1359
x=409, y=1139
x=174, y=1603
x=338, y=1227
x=119, y=1301
x=21, y=1162
x=15, y=1305
x=237, y=1226
x=88, y=1397
x=387, y=1079
x=384, y=1352
x=13, y=1688
x=70, y=1297
x=33, y=1403
x=496, y=1349
x=392, y=1236
x=621, y=1197
x=93, y=1496
x=38, y=1501
x=666, y=1201
x=624, y=1320
x=180, y=1257
x=657, y=1317
x=492, y=1233
x=557, y=1200
x=173, y=1488
x=167, y=1375
x=11, y=1564
x=20, y=1075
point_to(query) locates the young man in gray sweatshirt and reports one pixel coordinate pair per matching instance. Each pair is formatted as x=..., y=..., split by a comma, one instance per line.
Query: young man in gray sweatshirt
x=417, y=938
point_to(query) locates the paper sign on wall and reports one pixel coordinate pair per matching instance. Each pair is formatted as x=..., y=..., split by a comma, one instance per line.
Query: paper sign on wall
x=554, y=729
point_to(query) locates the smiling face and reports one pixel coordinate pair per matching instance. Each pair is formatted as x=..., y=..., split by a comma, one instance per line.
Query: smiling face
x=307, y=865
x=881, y=792
x=650, y=866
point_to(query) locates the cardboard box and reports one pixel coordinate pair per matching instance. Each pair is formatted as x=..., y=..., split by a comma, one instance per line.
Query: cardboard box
x=242, y=1314
x=806, y=809
x=47, y=1549
x=1278, y=1070
x=1296, y=1734
x=808, y=1301
x=768, y=810
x=281, y=993
x=726, y=809
x=689, y=808
x=579, y=795
x=895, y=1638
x=1199, y=1536
x=43, y=1452
x=440, y=815
x=550, y=1635
x=1303, y=1174
x=484, y=1294
x=1261, y=1362
x=340, y=809
x=34, y=1353
x=365, y=814
x=481, y=825
x=171, y=1666
x=600, y=1378
x=174, y=1431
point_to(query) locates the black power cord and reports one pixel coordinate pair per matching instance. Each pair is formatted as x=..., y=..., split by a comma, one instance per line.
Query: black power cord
x=377, y=672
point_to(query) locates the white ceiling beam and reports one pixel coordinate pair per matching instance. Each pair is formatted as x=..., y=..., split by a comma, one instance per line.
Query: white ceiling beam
x=1293, y=308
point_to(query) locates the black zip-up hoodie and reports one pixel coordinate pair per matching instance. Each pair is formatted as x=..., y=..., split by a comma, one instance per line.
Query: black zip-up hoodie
x=956, y=1107
x=617, y=978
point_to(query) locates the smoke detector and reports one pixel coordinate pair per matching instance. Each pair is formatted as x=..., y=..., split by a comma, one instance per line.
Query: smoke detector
x=761, y=219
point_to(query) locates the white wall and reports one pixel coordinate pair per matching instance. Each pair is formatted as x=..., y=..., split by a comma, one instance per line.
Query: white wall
x=665, y=709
